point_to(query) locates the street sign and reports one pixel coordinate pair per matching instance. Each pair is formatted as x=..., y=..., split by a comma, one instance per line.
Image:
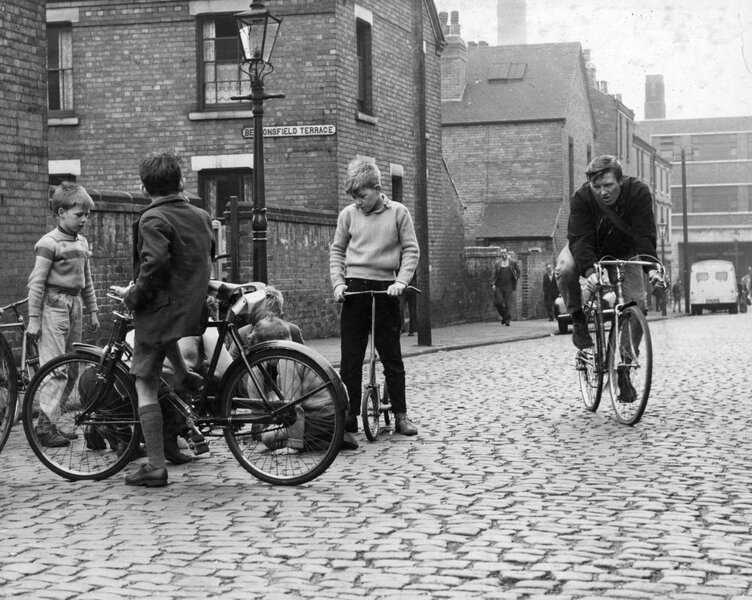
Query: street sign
x=292, y=130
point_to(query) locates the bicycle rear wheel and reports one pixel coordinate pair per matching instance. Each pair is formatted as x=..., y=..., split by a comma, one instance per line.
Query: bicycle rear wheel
x=286, y=414
x=80, y=421
x=590, y=364
x=630, y=365
x=370, y=411
x=8, y=390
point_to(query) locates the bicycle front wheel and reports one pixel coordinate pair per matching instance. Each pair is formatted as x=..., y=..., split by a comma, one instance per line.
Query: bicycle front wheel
x=370, y=411
x=8, y=390
x=81, y=421
x=286, y=414
x=630, y=365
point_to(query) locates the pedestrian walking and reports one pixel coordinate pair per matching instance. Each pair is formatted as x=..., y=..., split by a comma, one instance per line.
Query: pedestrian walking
x=504, y=283
x=550, y=291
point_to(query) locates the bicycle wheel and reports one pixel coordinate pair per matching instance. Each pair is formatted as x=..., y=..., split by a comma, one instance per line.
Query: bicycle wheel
x=630, y=365
x=589, y=364
x=286, y=413
x=370, y=411
x=80, y=422
x=8, y=390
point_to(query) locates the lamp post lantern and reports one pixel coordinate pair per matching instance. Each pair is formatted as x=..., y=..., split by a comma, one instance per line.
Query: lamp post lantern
x=662, y=231
x=258, y=30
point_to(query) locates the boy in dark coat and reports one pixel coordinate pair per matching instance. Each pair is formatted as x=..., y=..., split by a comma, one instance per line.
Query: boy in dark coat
x=173, y=250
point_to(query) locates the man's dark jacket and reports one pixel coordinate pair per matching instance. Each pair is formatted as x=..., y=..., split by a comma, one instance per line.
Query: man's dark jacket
x=592, y=235
x=173, y=248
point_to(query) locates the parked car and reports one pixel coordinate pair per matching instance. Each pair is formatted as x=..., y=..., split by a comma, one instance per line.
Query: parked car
x=712, y=286
x=564, y=320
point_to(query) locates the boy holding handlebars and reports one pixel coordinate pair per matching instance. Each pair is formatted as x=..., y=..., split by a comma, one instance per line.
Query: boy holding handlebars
x=374, y=248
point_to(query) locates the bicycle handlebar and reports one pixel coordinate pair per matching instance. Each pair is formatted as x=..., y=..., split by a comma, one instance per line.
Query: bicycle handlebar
x=13, y=305
x=372, y=292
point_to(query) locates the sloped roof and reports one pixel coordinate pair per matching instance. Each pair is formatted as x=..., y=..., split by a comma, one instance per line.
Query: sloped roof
x=542, y=93
x=520, y=219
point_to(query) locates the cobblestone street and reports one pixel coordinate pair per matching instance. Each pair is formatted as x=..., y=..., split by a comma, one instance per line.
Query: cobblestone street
x=511, y=490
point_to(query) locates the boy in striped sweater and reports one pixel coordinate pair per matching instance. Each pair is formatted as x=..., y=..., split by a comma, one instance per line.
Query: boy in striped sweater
x=60, y=286
x=374, y=248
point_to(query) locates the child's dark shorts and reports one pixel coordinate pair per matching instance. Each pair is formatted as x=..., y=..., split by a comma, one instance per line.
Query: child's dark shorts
x=149, y=358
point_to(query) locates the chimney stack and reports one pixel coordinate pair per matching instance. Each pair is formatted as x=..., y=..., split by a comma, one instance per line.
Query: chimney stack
x=453, y=59
x=655, y=97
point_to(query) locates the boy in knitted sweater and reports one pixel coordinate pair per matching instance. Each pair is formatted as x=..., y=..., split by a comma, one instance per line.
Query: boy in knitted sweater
x=374, y=248
x=60, y=286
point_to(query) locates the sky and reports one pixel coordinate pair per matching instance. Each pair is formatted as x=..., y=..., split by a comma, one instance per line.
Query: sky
x=703, y=48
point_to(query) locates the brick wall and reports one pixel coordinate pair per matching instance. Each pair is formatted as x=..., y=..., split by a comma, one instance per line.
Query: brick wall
x=23, y=150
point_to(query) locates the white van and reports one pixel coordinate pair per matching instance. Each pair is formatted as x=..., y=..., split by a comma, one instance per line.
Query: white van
x=712, y=285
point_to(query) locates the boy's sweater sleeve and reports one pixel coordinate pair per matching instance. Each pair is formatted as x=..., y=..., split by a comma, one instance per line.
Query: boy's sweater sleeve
x=410, y=249
x=89, y=295
x=45, y=252
x=338, y=250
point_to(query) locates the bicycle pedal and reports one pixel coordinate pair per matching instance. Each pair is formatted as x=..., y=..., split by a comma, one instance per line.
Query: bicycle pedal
x=200, y=448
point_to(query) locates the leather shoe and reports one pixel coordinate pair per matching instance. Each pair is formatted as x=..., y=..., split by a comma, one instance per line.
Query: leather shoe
x=403, y=425
x=581, y=336
x=176, y=457
x=147, y=476
x=349, y=443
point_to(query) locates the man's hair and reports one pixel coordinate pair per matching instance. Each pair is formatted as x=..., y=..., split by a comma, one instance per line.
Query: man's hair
x=601, y=165
x=362, y=172
x=269, y=328
x=161, y=175
x=273, y=305
x=68, y=194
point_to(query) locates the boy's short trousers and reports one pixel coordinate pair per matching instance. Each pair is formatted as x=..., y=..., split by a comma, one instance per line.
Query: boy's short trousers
x=149, y=358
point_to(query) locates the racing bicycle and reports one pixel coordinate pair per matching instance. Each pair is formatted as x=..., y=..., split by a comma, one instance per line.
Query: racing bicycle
x=621, y=358
x=269, y=389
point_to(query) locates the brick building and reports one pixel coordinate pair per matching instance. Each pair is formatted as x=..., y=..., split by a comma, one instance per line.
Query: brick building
x=131, y=77
x=518, y=130
x=23, y=150
x=718, y=158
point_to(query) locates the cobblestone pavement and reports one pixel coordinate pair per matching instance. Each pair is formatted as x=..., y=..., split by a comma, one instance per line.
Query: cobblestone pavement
x=511, y=490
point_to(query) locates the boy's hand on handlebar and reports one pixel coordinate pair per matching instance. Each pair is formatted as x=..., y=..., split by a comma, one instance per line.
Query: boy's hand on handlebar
x=120, y=291
x=592, y=283
x=396, y=289
x=657, y=279
x=339, y=293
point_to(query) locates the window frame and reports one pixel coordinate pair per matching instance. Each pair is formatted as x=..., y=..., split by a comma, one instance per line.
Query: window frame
x=243, y=83
x=364, y=58
x=63, y=72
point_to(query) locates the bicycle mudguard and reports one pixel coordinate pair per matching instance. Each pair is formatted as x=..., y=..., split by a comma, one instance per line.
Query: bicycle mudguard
x=305, y=350
x=98, y=353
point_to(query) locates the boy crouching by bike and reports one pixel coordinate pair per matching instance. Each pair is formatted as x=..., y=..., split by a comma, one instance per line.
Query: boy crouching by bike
x=374, y=248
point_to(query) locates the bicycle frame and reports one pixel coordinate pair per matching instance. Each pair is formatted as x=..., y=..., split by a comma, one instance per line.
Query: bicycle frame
x=200, y=412
x=601, y=268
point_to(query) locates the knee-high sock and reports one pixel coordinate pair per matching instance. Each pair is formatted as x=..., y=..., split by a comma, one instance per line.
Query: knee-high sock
x=151, y=425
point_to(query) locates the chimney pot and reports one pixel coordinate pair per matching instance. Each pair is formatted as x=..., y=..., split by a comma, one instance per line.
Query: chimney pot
x=455, y=15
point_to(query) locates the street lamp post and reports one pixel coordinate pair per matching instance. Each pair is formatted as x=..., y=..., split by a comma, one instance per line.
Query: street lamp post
x=258, y=30
x=662, y=231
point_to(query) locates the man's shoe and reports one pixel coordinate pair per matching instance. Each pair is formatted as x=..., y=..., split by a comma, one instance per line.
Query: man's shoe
x=148, y=476
x=403, y=425
x=627, y=393
x=351, y=425
x=49, y=438
x=581, y=336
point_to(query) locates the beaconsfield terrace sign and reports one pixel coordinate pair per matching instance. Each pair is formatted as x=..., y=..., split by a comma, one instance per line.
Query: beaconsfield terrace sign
x=292, y=131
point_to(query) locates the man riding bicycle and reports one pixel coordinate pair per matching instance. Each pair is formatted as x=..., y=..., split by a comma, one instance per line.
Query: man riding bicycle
x=610, y=216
